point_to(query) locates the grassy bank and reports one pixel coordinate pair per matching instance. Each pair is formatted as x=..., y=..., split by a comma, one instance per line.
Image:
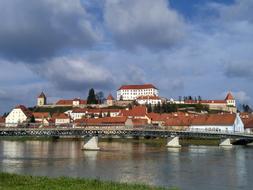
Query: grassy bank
x=21, y=182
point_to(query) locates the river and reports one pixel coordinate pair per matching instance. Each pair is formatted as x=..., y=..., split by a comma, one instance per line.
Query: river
x=189, y=168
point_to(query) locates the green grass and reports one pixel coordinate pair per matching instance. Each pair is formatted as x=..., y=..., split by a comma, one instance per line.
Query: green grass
x=21, y=182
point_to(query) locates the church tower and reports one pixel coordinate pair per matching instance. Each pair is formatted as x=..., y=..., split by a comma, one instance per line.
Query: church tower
x=41, y=100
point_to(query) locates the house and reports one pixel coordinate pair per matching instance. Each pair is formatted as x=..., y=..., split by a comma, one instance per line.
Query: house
x=137, y=112
x=110, y=100
x=218, y=123
x=61, y=118
x=178, y=121
x=41, y=100
x=247, y=119
x=78, y=113
x=42, y=117
x=132, y=92
x=19, y=115
x=103, y=112
x=143, y=100
x=2, y=121
x=157, y=119
x=102, y=121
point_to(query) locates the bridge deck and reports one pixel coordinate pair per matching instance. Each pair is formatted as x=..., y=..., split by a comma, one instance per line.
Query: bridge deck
x=116, y=130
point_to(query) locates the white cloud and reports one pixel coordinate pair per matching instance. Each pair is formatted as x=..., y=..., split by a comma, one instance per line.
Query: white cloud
x=74, y=73
x=144, y=23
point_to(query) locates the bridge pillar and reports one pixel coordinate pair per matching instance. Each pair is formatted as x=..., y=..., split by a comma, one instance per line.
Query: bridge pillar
x=91, y=143
x=225, y=142
x=173, y=142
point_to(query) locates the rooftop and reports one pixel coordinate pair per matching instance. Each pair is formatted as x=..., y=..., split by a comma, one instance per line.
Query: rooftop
x=141, y=86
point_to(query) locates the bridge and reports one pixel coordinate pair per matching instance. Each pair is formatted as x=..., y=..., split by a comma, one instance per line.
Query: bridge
x=92, y=133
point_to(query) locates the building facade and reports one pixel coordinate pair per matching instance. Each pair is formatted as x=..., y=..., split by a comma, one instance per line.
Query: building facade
x=132, y=92
x=142, y=100
x=18, y=115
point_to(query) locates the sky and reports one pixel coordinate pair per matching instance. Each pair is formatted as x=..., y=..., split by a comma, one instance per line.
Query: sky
x=183, y=47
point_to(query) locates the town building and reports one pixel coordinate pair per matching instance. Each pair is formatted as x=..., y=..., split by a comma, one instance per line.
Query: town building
x=142, y=100
x=41, y=100
x=247, y=119
x=110, y=100
x=19, y=115
x=42, y=117
x=132, y=92
x=228, y=104
x=218, y=123
x=61, y=119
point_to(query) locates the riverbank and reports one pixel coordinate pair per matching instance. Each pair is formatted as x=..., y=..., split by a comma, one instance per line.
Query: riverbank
x=22, y=182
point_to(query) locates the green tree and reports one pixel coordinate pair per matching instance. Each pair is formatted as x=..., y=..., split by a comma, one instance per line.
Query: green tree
x=92, y=97
x=108, y=114
x=100, y=115
x=149, y=106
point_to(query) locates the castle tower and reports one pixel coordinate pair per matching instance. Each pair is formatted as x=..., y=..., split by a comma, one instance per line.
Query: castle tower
x=230, y=100
x=41, y=100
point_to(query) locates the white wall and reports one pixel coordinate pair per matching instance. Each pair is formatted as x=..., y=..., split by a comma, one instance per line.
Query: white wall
x=15, y=117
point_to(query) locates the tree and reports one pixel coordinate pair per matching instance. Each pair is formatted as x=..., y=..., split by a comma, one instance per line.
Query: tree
x=100, y=97
x=199, y=98
x=108, y=114
x=149, y=106
x=91, y=97
x=100, y=115
x=32, y=119
x=130, y=106
x=246, y=108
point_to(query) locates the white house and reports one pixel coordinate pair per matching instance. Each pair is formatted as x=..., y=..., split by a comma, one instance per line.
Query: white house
x=131, y=92
x=218, y=123
x=61, y=118
x=18, y=115
x=142, y=100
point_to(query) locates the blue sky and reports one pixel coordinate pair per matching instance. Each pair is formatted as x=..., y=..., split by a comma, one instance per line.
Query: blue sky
x=197, y=47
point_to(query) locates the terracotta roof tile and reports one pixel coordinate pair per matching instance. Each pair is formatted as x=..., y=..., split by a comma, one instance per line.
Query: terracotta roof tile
x=140, y=111
x=41, y=114
x=143, y=86
x=214, y=119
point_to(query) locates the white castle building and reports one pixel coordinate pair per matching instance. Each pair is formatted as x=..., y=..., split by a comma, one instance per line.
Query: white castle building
x=132, y=92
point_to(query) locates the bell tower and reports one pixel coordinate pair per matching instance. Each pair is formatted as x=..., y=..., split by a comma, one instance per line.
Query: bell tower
x=41, y=100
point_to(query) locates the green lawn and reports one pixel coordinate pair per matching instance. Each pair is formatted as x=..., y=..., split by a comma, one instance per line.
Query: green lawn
x=21, y=182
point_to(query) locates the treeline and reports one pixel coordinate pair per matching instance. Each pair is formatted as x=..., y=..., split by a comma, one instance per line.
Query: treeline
x=169, y=107
x=184, y=98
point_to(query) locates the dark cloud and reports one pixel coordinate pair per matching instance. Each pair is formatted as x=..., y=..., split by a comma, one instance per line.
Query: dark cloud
x=40, y=29
x=241, y=70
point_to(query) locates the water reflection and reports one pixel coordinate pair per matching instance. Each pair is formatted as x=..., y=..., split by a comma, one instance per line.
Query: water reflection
x=193, y=167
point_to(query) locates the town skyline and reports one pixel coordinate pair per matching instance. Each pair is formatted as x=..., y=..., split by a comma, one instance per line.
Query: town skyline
x=199, y=48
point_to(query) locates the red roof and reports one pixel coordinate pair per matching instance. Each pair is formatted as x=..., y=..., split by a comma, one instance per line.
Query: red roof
x=80, y=110
x=178, y=121
x=60, y=116
x=103, y=110
x=140, y=111
x=142, y=86
x=110, y=97
x=26, y=111
x=214, y=119
x=139, y=122
x=229, y=96
x=2, y=119
x=41, y=115
x=104, y=120
x=205, y=102
x=248, y=123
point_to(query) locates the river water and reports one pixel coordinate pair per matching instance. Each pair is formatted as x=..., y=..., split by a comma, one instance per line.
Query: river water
x=189, y=168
